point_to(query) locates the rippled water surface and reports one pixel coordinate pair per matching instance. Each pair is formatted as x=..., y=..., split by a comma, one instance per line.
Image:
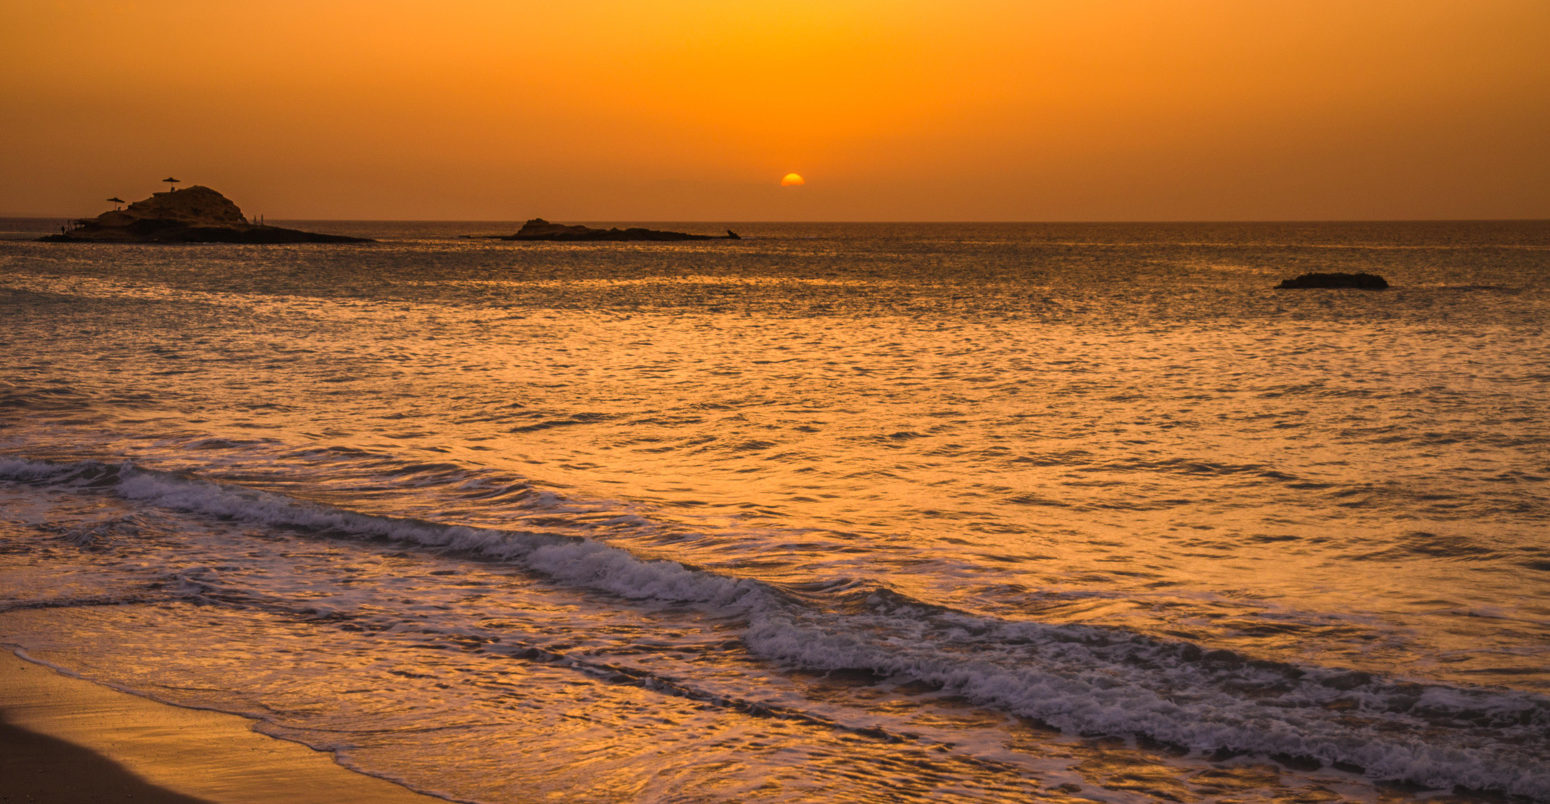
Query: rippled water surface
x=838, y=512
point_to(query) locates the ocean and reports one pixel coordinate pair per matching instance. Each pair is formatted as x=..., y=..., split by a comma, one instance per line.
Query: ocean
x=839, y=512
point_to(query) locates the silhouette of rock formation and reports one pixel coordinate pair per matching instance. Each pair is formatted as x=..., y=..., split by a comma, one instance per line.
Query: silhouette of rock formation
x=1318, y=280
x=194, y=214
x=540, y=229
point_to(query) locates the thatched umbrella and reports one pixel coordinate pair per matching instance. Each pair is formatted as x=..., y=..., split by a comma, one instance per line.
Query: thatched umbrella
x=170, y=181
x=118, y=201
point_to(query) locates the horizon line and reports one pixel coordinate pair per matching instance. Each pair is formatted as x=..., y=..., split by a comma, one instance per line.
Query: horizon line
x=718, y=221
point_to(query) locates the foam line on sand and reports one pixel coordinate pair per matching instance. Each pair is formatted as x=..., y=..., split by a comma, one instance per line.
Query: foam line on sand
x=155, y=752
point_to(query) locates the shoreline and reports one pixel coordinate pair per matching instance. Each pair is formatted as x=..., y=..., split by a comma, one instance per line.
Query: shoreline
x=69, y=739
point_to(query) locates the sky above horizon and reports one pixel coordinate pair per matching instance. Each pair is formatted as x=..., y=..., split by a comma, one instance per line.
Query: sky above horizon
x=1016, y=110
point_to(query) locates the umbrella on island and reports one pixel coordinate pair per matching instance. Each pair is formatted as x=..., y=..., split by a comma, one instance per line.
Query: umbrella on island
x=170, y=181
x=118, y=201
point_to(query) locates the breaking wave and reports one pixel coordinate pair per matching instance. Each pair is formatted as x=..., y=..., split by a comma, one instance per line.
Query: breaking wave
x=1086, y=681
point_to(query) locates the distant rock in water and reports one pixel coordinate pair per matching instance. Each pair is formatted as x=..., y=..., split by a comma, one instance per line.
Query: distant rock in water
x=540, y=229
x=1316, y=280
x=195, y=214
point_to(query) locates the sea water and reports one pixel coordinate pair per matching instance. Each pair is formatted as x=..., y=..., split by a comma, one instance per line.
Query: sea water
x=833, y=512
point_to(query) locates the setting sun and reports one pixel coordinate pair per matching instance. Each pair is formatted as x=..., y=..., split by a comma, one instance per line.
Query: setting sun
x=440, y=398
x=1224, y=110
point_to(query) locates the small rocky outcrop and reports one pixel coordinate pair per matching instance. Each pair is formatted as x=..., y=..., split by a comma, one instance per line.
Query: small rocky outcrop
x=1339, y=281
x=194, y=214
x=540, y=229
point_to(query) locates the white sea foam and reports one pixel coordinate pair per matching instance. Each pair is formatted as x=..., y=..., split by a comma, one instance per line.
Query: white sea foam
x=1113, y=684
x=564, y=558
x=1082, y=680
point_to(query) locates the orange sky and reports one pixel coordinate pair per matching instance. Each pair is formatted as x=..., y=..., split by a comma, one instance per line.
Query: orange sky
x=695, y=109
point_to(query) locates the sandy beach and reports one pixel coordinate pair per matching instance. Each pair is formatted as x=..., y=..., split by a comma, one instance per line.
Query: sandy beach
x=64, y=739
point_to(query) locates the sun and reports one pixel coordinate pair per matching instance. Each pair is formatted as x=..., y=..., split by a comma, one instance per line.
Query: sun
x=792, y=180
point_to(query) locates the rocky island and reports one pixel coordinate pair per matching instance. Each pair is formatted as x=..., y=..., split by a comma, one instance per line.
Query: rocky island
x=540, y=229
x=194, y=214
x=1351, y=281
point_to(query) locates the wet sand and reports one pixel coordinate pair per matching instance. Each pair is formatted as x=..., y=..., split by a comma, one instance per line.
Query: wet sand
x=63, y=739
